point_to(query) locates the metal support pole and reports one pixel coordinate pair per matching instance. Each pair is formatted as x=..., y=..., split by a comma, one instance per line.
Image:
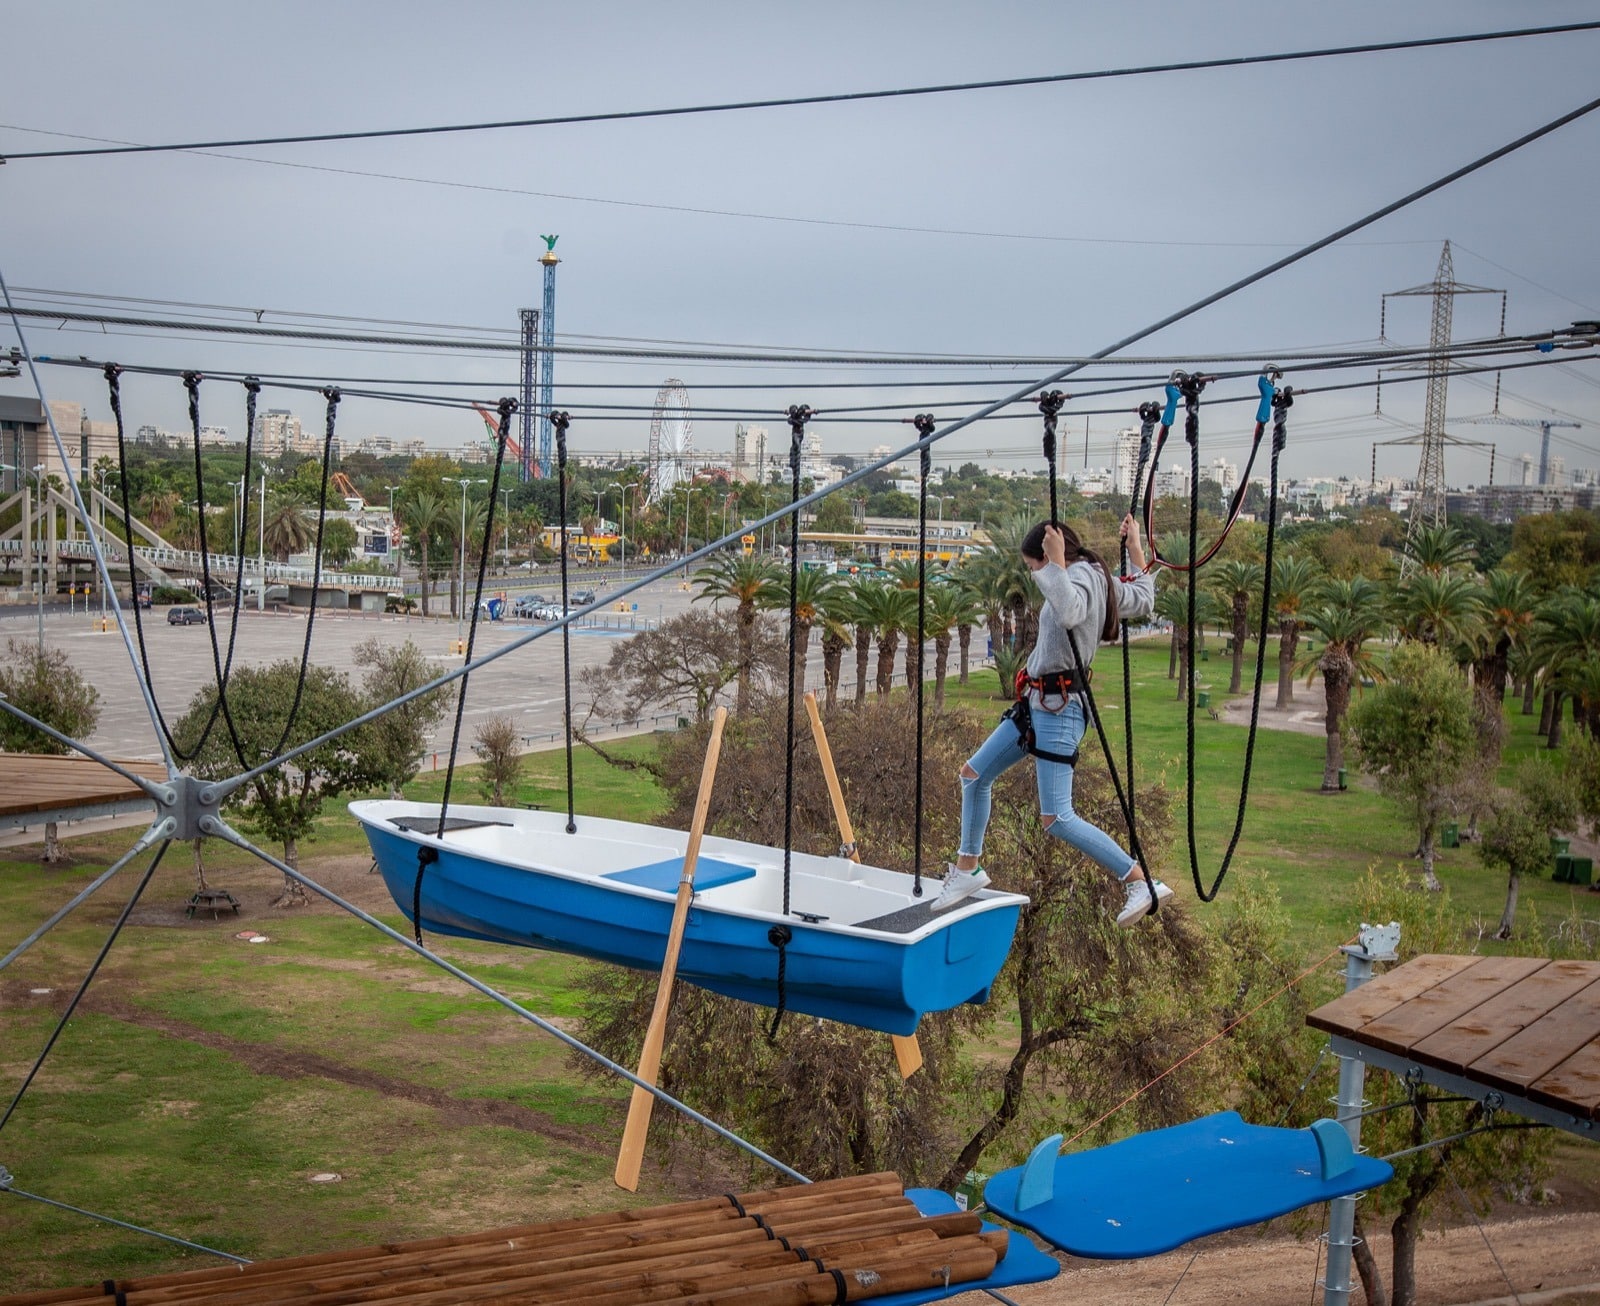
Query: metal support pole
x=1376, y=943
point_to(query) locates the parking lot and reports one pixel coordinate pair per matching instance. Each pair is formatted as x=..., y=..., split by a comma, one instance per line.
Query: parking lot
x=525, y=684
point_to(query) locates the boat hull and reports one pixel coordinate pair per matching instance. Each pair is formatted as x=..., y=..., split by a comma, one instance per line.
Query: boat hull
x=866, y=977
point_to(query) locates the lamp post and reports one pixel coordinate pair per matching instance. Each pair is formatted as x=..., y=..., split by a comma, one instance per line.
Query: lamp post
x=261, y=549
x=461, y=582
x=622, y=531
x=688, y=495
x=505, y=527
x=38, y=479
x=394, y=544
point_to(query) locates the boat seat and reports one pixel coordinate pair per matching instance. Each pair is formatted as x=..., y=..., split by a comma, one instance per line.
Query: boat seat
x=664, y=876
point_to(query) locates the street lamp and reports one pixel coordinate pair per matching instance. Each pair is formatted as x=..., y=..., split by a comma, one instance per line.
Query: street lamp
x=261, y=546
x=38, y=556
x=394, y=544
x=688, y=493
x=461, y=583
x=622, y=533
x=505, y=527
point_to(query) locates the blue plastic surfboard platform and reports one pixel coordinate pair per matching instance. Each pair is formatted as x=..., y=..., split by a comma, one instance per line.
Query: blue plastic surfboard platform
x=1023, y=1262
x=1152, y=1192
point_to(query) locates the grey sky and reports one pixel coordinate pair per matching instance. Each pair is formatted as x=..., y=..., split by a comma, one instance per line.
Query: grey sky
x=1147, y=192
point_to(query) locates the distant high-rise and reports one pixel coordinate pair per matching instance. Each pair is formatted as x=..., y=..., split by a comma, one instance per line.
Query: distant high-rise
x=1127, y=464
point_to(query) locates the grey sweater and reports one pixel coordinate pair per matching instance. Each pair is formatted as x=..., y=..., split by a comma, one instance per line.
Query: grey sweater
x=1075, y=600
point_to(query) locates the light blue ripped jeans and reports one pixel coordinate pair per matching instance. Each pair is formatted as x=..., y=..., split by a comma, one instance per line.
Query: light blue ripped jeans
x=1055, y=732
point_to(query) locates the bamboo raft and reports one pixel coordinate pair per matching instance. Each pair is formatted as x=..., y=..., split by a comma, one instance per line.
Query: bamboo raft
x=838, y=1240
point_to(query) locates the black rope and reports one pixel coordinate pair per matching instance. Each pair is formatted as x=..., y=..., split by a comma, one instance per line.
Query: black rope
x=1148, y=413
x=924, y=422
x=626, y=115
x=331, y=394
x=507, y=407
x=1281, y=401
x=1050, y=403
x=779, y=935
x=560, y=421
x=83, y=988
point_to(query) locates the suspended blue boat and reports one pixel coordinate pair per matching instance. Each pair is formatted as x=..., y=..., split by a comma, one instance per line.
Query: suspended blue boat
x=863, y=950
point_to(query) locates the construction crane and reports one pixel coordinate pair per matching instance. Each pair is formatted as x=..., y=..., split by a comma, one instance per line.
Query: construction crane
x=1544, y=425
x=489, y=420
x=345, y=488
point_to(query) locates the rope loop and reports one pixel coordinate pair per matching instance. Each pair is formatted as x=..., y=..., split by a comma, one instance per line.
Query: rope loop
x=779, y=937
x=252, y=386
x=560, y=421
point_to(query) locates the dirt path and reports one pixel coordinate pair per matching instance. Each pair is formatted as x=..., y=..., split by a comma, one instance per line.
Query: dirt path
x=1551, y=1260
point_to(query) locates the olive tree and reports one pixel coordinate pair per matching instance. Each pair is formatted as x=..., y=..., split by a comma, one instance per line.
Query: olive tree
x=267, y=713
x=45, y=685
x=1415, y=734
x=1516, y=837
x=394, y=744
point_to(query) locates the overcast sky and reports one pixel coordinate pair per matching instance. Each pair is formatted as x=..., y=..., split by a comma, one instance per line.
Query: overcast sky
x=1093, y=208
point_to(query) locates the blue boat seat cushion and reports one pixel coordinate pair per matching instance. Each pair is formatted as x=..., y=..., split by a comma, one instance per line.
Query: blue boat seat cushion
x=664, y=876
x=1155, y=1191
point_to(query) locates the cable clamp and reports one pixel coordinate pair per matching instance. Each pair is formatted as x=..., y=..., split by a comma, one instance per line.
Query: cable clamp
x=849, y=850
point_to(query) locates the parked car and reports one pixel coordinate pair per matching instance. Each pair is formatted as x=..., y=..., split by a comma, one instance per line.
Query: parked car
x=548, y=612
x=526, y=603
x=185, y=617
x=582, y=598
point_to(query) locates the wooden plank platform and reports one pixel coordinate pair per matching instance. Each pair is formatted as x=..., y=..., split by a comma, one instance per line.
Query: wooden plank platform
x=850, y=1239
x=36, y=787
x=1518, y=1030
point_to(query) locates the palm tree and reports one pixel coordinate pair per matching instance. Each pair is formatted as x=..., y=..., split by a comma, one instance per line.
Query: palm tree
x=1004, y=586
x=835, y=619
x=1565, y=635
x=746, y=581
x=1436, y=550
x=288, y=530
x=857, y=610
x=1236, y=582
x=426, y=517
x=1505, y=603
x=467, y=544
x=889, y=611
x=159, y=507
x=1582, y=681
x=1292, y=579
x=969, y=613
x=1435, y=608
x=812, y=592
x=1346, y=614
x=1172, y=604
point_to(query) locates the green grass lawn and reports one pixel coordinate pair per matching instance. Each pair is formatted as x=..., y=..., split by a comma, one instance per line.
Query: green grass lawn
x=207, y=1080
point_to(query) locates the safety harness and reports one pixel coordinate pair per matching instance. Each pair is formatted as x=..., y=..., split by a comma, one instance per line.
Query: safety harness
x=1020, y=713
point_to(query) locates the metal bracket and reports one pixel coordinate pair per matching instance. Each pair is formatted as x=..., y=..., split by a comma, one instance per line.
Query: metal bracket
x=1380, y=942
x=5, y=1179
x=192, y=805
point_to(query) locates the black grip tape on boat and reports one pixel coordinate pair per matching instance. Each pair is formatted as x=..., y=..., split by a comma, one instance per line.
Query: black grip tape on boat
x=736, y=1204
x=840, y=1292
x=761, y=1224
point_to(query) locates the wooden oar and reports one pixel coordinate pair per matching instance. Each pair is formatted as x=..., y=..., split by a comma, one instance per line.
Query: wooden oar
x=633, y=1135
x=907, y=1051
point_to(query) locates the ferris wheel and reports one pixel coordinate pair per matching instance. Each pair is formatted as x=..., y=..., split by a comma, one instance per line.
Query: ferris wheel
x=671, y=438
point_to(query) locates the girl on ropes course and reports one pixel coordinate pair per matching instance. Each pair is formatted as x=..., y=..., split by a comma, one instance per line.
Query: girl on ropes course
x=1083, y=605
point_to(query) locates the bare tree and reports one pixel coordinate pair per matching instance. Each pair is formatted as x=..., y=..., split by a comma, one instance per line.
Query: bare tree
x=497, y=744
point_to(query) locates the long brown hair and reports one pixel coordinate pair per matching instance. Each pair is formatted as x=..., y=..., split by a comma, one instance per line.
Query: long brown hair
x=1033, y=547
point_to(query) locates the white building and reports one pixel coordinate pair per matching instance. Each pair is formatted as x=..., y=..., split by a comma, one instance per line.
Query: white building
x=1127, y=460
x=1172, y=483
x=277, y=431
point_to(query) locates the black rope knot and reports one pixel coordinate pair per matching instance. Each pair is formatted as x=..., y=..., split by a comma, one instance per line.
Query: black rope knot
x=1282, y=402
x=924, y=422
x=1190, y=385
x=506, y=407
x=779, y=936
x=252, y=386
x=1149, y=414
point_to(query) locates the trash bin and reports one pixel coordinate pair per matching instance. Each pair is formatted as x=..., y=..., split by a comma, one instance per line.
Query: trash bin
x=1342, y=785
x=1563, y=871
x=1560, y=846
x=1450, y=835
x=1582, y=870
x=1203, y=699
x=1205, y=655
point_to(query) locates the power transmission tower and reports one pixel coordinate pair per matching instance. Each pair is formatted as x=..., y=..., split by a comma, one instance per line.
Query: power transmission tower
x=1427, y=508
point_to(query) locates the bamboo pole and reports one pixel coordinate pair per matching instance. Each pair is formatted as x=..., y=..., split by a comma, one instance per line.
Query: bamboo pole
x=907, y=1051
x=631, y=1155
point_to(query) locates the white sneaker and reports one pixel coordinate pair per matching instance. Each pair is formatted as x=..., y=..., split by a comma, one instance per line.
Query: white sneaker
x=959, y=885
x=1137, y=903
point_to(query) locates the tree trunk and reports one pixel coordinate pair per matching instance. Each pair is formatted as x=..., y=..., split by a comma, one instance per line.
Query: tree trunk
x=1183, y=668
x=802, y=651
x=422, y=571
x=200, y=884
x=1241, y=629
x=1172, y=654
x=863, y=652
x=1553, y=739
x=1546, y=711
x=914, y=658
x=941, y=665
x=747, y=638
x=1367, y=1268
x=52, y=845
x=293, y=894
x=964, y=632
x=1508, y=918
x=1430, y=882
x=1336, y=674
x=1288, y=639
x=888, y=645
x=832, y=656
x=1527, y=696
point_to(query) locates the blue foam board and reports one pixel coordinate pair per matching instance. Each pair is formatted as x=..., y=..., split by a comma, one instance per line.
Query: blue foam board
x=1156, y=1191
x=664, y=876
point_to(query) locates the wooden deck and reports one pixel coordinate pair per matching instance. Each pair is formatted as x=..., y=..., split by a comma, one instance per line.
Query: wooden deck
x=843, y=1239
x=1518, y=1031
x=35, y=787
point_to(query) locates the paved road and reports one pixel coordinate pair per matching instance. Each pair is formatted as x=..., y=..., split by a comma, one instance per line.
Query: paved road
x=526, y=683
